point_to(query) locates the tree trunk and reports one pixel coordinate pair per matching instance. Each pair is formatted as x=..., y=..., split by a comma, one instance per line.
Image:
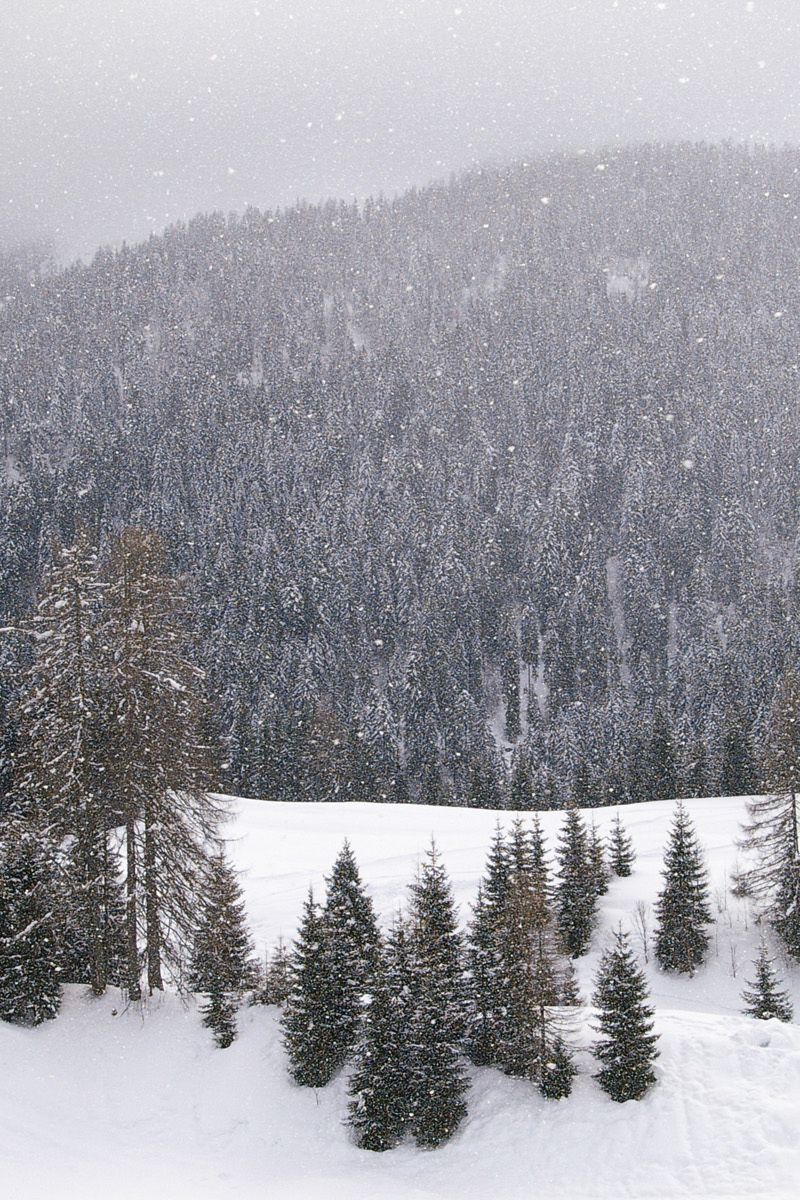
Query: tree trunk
x=131, y=941
x=152, y=920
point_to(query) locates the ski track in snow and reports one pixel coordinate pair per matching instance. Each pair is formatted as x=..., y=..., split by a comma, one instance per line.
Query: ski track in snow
x=139, y=1102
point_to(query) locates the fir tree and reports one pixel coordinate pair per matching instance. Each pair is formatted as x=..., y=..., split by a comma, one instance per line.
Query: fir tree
x=222, y=967
x=314, y=1054
x=569, y=994
x=763, y=997
x=627, y=1046
x=771, y=835
x=621, y=852
x=351, y=936
x=30, y=986
x=575, y=894
x=381, y=1096
x=682, y=908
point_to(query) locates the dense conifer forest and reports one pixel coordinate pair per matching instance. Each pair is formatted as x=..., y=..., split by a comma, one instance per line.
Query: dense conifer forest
x=484, y=495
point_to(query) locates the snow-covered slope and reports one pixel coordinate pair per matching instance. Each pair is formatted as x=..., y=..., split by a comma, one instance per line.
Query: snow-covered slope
x=103, y=1102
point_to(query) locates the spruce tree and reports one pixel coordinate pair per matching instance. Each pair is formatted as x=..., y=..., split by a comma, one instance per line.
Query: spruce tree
x=558, y=1071
x=682, y=908
x=620, y=848
x=575, y=893
x=351, y=936
x=485, y=999
x=770, y=837
x=763, y=996
x=381, y=1096
x=627, y=1045
x=597, y=860
x=222, y=966
x=30, y=983
x=277, y=975
x=438, y=1082
x=313, y=1052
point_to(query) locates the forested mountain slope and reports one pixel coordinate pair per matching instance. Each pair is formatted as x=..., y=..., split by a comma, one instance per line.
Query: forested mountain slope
x=500, y=473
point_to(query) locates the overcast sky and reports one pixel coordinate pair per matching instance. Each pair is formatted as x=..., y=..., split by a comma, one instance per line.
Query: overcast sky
x=119, y=116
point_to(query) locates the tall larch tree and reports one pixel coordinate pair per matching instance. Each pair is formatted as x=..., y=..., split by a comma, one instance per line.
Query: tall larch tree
x=161, y=773
x=64, y=746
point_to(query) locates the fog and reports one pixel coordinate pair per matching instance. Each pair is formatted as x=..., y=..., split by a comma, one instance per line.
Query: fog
x=120, y=116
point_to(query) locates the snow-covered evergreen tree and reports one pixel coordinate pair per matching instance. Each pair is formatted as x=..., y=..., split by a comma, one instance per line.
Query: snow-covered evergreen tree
x=627, y=1045
x=313, y=1051
x=222, y=966
x=277, y=976
x=620, y=848
x=352, y=940
x=575, y=892
x=380, y=1086
x=597, y=860
x=682, y=908
x=30, y=972
x=558, y=1071
x=763, y=996
x=438, y=1082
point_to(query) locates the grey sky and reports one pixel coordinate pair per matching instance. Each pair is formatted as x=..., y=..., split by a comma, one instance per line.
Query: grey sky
x=118, y=116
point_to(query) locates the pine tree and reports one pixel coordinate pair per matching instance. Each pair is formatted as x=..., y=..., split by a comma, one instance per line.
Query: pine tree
x=771, y=834
x=682, y=908
x=627, y=1046
x=438, y=1082
x=621, y=852
x=597, y=860
x=30, y=986
x=763, y=997
x=381, y=1097
x=575, y=894
x=352, y=938
x=222, y=966
x=314, y=1055
x=160, y=776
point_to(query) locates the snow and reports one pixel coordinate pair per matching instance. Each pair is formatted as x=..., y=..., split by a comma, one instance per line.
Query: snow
x=128, y=1103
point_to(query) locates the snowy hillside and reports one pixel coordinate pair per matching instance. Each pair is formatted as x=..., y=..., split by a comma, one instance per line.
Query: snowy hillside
x=102, y=1102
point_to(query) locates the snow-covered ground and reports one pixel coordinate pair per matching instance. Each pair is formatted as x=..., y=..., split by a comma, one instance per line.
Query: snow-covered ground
x=110, y=1103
